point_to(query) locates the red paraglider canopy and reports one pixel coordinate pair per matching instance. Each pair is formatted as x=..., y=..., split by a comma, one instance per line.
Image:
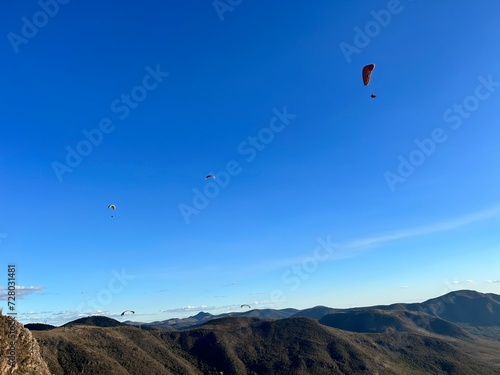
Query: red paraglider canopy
x=367, y=73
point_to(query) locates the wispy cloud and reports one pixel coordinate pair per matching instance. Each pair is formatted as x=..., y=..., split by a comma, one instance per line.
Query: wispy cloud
x=218, y=308
x=353, y=248
x=198, y=308
x=460, y=283
x=64, y=316
x=443, y=226
x=69, y=313
x=50, y=317
x=342, y=250
x=21, y=291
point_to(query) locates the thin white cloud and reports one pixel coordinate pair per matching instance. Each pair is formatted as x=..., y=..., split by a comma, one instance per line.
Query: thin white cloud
x=62, y=317
x=218, y=308
x=404, y=286
x=55, y=318
x=29, y=313
x=427, y=229
x=456, y=283
x=355, y=247
x=21, y=291
x=195, y=308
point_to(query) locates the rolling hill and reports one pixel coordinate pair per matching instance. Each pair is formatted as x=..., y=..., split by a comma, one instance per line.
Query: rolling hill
x=398, y=339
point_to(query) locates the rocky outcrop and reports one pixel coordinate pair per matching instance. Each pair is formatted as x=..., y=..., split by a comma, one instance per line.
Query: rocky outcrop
x=20, y=353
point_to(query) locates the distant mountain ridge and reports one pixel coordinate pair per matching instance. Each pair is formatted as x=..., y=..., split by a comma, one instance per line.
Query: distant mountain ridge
x=400, y=339
x=464, y=306
x=204, y=317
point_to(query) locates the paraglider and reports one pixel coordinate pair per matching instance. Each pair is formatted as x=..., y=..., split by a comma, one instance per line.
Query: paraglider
x=123, y=313
x=246, y=306
x=367, y=73
x=367, y=76
x=112, y=207
x=209, y=176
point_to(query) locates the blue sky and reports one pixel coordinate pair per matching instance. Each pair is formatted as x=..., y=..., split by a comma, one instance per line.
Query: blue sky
x=323, y=195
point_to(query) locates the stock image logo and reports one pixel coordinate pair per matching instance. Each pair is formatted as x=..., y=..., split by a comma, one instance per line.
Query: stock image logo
x=455, y=116
x=224, y=6
x=121, y=106
x=32, y=25
x=364, y=36
x=249, y=148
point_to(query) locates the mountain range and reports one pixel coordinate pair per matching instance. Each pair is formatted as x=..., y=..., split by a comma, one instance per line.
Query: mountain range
x=458, y=333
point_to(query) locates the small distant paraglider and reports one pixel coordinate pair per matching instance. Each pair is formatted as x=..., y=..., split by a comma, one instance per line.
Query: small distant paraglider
x=367, y=76
x=123, y=313
x=209, y=176
x=245, y=305
x=112, y=207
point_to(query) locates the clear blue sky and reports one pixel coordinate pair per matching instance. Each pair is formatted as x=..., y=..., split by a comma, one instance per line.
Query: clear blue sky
x=268, y=97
